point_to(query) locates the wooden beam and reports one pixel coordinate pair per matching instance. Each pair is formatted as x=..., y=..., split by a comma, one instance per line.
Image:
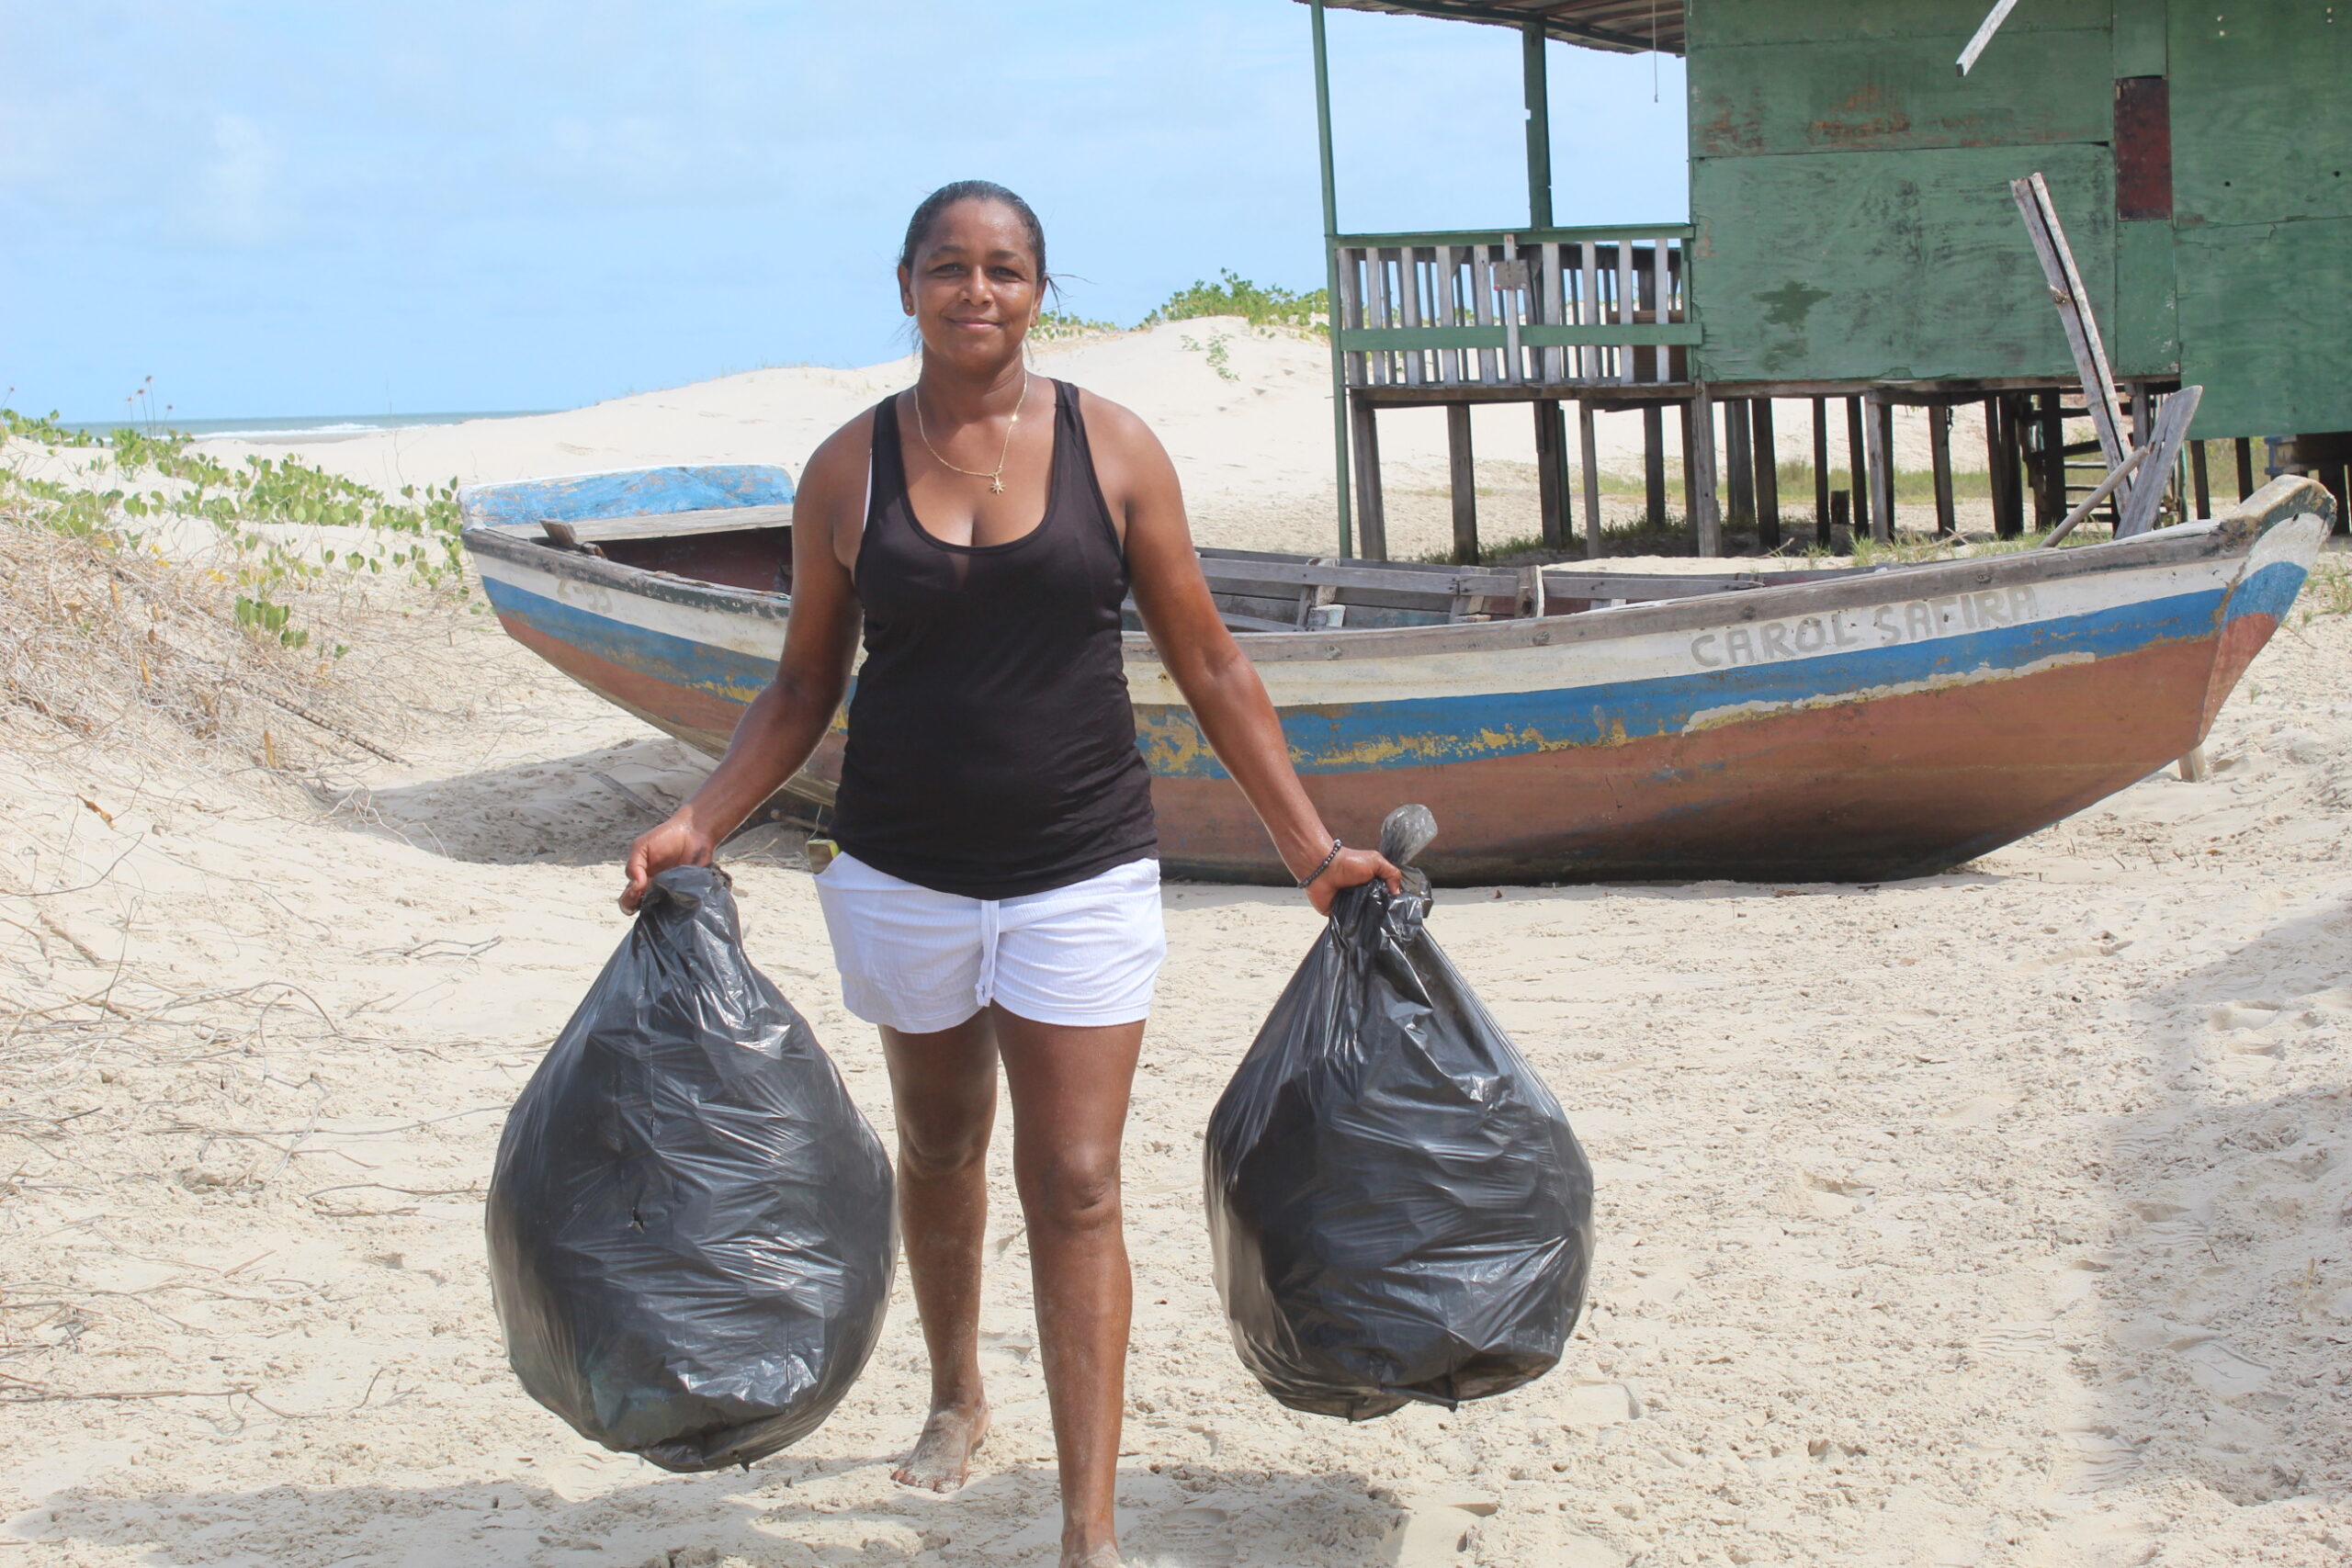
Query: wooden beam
x=1880, y=435
x=1465, y=477
x=1940, y=456
x=1739, y=465
x=2201, y=478
x=2245, y=467
x=1984, y=35
x=1706, y=522
x=1551, y=476
x=1821, y=470
x=1857, y=466
x=1332, y=273
x=1654, y=463
x=1768, y=476
x=1539, y=124
x=1591, y=458
x=2032, y=194
x=1372, y=505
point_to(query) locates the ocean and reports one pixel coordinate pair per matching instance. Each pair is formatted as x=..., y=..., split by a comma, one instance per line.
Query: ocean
x=308, y=426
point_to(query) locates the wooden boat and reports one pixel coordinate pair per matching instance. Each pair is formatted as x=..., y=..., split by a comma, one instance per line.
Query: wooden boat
x=1565, y=724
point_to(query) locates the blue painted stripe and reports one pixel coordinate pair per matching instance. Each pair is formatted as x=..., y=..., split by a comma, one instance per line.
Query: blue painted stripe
x=2269, y=592
x=721, y=671
x=634, y=492
x=1431, y=731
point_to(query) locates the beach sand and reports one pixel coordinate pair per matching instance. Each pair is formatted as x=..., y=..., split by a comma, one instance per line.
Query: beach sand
x=1992, y=1218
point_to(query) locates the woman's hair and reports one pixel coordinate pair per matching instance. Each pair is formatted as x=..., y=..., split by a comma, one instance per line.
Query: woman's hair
x=938, y=201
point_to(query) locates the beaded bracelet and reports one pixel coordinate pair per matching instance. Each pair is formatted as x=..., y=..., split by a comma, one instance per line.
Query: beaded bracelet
x=1309, y=880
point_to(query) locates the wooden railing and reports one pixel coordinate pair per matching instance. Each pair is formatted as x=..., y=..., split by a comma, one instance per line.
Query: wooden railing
x=1546, y=307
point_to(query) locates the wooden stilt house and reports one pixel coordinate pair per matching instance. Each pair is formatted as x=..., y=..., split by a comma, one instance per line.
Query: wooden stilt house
x=1853, y=241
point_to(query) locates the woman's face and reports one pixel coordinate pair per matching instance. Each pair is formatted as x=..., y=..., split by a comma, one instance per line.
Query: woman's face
x=973, y=290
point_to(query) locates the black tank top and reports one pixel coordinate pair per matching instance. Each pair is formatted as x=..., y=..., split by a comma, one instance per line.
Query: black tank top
x=992, y=748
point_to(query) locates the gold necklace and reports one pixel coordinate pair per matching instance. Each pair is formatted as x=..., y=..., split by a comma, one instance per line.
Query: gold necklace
x=995, y=478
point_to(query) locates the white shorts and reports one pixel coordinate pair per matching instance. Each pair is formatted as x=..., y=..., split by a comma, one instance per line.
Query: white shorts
x=917, y=959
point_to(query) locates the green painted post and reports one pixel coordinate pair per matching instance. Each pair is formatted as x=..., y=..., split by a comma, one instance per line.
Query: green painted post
x=1331, y=281
x=1539, y=126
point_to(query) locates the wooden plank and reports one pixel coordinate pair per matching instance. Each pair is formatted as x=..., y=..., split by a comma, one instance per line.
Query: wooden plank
x=2074, y=313
x=1739, y=465
x=1879, y=437
x=1556, y=368
x=1867, y=95
x=1495, y=336
x=1449, y=310
x=1510, y=293
x=1978, y=44
x=1930, y=277
x=1940, y=459
x=1821, y=469
x=1591, y=456
x=2201, y=478
x=1350, y=314
x=1767, y=476
x=1482, y=305
x=2265, y=309
x=1589, y=306
x=1652, y=465
x=2145, y=492
x=1371, y=505
x=2114, y=480
x=1550, y=475
x=1409, y=277
x=1707, y=523
x=1377, y=314
x=1626, y=306
x=1662, y=294
x=1946, y=24
x=1462, y=473
x=2245, y=467
x=1858, y=469
x=662, y=524
x=2260, y=118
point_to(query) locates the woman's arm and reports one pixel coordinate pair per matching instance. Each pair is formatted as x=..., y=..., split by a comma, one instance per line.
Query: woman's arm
x=1201, y=656
x=784, y=724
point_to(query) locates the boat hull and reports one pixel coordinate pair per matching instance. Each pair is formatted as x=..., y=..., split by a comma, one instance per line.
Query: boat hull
x=1881, y=726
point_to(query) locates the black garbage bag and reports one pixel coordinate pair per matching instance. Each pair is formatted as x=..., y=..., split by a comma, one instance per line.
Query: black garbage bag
x=691, y=1229
x=1396, y=1206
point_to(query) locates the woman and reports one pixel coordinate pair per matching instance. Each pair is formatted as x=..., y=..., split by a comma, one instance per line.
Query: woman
x=997, y=898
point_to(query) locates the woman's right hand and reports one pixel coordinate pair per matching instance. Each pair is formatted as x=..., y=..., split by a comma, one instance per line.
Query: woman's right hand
x=675, y=842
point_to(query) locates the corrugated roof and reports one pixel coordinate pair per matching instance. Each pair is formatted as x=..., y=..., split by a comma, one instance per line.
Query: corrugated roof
x=1622, y=25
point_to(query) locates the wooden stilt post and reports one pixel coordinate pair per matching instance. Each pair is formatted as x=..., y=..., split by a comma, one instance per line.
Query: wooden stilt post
x=1552, y=475
x=1821, y=471
x=1881, y=439
x=2050, y=460
x=2008, y=477
x=1706, y=522
x=2004, y=525
x=1739, y=465
x=1690, y=472
x=1767, y=476
x=2201, y=478
x=1589, y=440
x=1858, y=470
x=2245, y=467
x=1654, y=462
x=1465, y=485
x=1372, y=506
x=1940, y=456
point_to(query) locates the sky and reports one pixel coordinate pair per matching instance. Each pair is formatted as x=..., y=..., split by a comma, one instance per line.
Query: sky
x=412, y=206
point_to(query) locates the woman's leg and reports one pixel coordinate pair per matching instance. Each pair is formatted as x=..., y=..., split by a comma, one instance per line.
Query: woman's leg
x=944, y=1087
x=1070, y=1105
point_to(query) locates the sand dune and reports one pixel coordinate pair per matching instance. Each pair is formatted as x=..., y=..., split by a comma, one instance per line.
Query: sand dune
x=1252, y=438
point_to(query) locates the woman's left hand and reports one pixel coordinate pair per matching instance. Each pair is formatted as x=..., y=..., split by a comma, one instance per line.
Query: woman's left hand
x=1352, y=868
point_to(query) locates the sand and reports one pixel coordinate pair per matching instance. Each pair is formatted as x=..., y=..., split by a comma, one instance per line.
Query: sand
x=1252, y=439
x=1993, y=1218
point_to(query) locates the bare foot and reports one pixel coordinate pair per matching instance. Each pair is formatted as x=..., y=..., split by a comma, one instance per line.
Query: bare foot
x=942, y=1455
x=1104, y=1556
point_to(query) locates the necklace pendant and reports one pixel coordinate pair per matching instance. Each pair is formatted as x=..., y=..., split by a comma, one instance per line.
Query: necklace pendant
x=996, y=484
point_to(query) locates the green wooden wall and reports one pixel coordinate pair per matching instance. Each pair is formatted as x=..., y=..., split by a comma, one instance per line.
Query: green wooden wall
x=1850, y=193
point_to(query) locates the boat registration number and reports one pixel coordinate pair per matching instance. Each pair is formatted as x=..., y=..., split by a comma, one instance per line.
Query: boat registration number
x=1879, y=625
